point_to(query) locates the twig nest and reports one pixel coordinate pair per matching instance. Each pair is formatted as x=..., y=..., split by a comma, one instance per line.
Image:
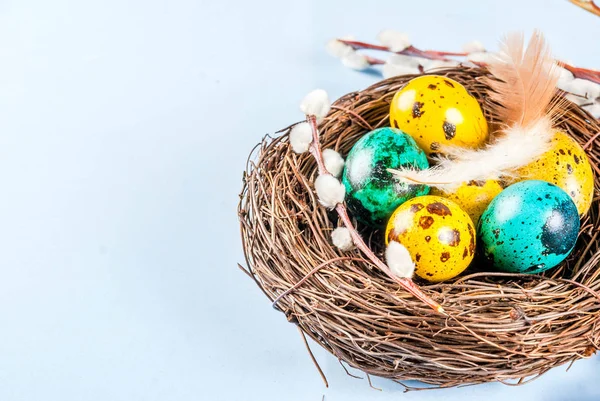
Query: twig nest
x=501, y=316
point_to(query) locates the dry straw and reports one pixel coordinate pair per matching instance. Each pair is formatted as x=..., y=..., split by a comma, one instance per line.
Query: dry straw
x=500, y=327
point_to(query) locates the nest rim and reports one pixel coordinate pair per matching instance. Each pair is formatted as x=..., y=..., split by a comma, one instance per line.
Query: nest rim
x=502, y=327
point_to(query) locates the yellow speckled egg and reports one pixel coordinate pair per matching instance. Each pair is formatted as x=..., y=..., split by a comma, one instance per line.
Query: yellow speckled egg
x=438, y=111
x=472, y=197
x=438, y=234
x=565, y=165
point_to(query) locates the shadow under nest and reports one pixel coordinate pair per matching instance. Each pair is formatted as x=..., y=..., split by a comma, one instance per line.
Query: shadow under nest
x=501, y=327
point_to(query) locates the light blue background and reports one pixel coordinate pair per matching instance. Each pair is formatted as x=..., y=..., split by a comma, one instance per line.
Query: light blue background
x=124, y=128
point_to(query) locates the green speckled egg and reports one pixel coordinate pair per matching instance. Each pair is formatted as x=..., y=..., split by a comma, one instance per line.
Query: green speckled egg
x=372, y=193
x=529, y=227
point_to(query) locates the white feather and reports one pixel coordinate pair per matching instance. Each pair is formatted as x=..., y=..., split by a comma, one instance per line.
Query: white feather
x=523, y=87
x=334, y=162
x=399, y=260
x=342, y=239
x=330, y=190
x=316, y=103
x=301, y=137
x=515, y=148
x=395, y=41
x=356, y=61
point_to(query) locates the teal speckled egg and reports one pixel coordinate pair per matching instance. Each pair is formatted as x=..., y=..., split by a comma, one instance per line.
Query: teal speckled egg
x=529, y=227
x=372, y=193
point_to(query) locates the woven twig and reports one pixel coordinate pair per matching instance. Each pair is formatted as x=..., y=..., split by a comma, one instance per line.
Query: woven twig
x=501, y=327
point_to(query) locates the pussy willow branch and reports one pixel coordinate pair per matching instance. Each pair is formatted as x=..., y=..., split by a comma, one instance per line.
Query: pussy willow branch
x=409, y=51
x=406, y=283
x=582, y=73
x=587, y=5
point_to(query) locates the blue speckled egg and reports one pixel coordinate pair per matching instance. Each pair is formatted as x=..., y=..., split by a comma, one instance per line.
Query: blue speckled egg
x=372, y=192
x=529, y=227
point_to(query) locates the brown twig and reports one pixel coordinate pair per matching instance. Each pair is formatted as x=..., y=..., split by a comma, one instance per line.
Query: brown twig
x=358, y=117
x=312, y=357
x=591, y=140
x=310, y=273
x=406, y=283
x=587, y=5
x=583, y=73
x=374, y=61
x=409, y=51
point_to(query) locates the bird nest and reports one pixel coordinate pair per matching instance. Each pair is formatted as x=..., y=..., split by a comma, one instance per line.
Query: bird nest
x=509, y=328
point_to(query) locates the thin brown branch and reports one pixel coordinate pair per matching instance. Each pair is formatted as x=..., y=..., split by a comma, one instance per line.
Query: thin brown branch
x=357, y=116
x=374, y=61
x=591, y=140
x=357, y=45
x=371, y=384
x=308, y=275
x=406, y=283
x=409, y=51
x=583, y=73
x=244, y=270
x=312, y=357
x=587, y=5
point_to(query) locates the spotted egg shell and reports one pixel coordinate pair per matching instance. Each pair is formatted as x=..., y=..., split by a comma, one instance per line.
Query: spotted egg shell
x=437, y=233
x=438, y=111
x=372, y=192
x=529, y=227
x=473, y=196
x=566, y=165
